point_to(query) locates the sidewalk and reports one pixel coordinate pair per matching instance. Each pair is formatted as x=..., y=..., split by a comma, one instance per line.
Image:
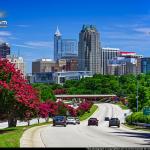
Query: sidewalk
x=32, y=137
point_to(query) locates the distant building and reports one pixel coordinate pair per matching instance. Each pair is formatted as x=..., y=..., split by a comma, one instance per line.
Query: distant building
x=57, y=45
x=108, y=54
x=145, y=65
x=4, y=50
x=69, y=47
x=44, y=77
x=125, y=63
x=61, y=77
x=43, y=65
x=89, y=51
x=18, y=62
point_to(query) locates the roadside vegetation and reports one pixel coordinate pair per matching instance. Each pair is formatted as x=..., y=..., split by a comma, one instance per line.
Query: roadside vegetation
x=86, y=115
x=137, y=117
x=10, y=137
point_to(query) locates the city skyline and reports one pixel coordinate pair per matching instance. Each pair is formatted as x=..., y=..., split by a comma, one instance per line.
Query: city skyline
x=30, y=30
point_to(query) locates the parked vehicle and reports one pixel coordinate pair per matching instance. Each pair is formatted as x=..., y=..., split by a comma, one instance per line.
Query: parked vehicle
x=59, y=120
x=93, y=121
x=114, y=122
x=71, y=120
x=77, y=120
x=106, y=118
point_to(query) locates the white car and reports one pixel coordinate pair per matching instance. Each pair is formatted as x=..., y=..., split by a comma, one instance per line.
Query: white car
x=71, y=120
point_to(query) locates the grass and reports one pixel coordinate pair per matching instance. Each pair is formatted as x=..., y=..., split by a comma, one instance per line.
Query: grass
x=122, y=105
x=134, y=127
x=88, y=114
x=10, y=137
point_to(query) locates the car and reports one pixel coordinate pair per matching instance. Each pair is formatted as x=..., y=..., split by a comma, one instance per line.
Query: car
x=59, y=120
x=114, y=122
x=77, y=120
x=93, y=121
x=71, y=120
x=106, y=118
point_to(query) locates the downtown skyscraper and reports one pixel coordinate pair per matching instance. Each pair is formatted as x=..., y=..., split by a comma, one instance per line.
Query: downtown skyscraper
x=64, y=47
x=89, y=50
x=57, y=45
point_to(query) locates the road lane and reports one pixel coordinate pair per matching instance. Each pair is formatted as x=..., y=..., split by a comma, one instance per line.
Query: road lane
x=93, y=136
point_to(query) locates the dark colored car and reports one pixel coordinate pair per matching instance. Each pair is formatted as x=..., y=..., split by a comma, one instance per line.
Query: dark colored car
x=114, y=122
x=106, y=118
x=59, y=120
x=77, y=120
x=93, y=121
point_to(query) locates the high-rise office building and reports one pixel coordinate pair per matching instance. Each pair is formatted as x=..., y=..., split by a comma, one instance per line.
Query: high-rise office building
x=108, y=54
x=145, y=65
x=18, y=62
x=89, y=51
x=43, y=65
x=4, y=50
x=69, y=47
x=57, y=45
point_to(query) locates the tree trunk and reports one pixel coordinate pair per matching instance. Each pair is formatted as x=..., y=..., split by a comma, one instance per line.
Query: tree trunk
x=12, y=121
x=28, y=122
x=38, y=120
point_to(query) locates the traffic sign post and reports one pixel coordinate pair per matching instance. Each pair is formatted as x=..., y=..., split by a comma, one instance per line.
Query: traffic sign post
x=146, y=110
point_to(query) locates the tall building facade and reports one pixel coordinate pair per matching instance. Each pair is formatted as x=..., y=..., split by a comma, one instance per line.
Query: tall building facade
x=43, y=65
x=108, y=54
x=18, y=62
x=69, y=47
x=126, y=63
x=57, y=45
x=4, y=50
x=145, y=65
x=89, y=51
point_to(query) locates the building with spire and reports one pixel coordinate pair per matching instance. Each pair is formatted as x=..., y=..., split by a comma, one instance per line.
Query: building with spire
x=57, y=45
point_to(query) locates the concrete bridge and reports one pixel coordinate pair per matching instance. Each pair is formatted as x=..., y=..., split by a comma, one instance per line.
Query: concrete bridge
x=89, y=96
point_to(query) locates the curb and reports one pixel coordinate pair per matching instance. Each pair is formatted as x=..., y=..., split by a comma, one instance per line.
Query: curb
x=32, y=138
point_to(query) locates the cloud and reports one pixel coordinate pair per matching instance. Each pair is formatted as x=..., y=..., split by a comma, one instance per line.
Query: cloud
x=23, y=25
x=37, y=44
x=5, y=33
x=2, y=39
x=144, y=30
x=21, y=45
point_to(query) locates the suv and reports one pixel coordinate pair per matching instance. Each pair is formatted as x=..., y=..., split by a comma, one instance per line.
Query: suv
x=71, y=120
x=114, y=122
x=106, y=119
x=59, y=120
x=93, y=121
x=77, y=120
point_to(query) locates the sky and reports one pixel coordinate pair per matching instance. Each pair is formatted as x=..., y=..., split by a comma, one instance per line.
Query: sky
x=123, y=24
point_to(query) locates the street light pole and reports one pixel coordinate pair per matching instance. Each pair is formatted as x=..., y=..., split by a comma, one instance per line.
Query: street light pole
x=137, y=96
x=137, y=84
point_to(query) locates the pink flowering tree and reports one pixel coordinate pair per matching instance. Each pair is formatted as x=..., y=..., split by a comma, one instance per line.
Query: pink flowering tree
x=16, y=95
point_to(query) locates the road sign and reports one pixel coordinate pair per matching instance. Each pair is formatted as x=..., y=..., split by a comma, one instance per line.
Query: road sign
x=146, y=110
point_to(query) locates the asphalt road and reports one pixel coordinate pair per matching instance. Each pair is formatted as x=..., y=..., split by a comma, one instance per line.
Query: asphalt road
x=95, y=136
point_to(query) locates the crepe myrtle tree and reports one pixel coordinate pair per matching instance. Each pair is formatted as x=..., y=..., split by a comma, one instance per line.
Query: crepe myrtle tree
x=16, y=95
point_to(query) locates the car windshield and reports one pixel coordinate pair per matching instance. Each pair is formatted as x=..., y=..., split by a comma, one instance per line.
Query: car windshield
x=93, y=119
x=70, y=118
x=114, y=118
x=59, y=118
